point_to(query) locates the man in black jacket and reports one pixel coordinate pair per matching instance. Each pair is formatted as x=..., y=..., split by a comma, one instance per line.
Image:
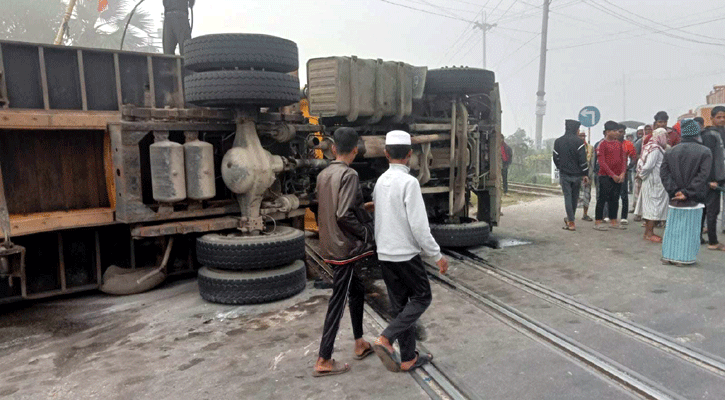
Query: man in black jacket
x=711, y=138
x=570, y=158
x=686, y=168
x=685, y=172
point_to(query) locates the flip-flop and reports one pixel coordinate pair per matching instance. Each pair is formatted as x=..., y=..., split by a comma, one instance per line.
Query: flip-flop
x=387, y=358
x=654, y=239
x=619, y=226
x=601, y=227
x=587, y=218
x=364, y=354
x=421, y=361
x=336, y=370
x=717, y=247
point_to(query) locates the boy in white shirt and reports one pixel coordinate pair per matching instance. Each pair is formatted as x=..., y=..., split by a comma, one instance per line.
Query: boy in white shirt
x=402, y=234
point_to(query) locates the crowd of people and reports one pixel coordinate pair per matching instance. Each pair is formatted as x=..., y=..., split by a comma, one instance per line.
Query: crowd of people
x=675, y=174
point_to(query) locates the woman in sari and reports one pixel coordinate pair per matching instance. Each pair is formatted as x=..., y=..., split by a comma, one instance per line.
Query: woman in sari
x=653, y=200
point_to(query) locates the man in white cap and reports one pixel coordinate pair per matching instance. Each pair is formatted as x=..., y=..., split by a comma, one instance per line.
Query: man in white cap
x=403, y=235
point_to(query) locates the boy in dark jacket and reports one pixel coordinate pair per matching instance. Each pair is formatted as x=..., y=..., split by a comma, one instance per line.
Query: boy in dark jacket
x=570, y=158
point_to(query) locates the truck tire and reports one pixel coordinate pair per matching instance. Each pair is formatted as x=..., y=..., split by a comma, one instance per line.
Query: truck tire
x=252, y=287
x=459, y=81
x=241, y=253
x=238, y=88
x=241, y=51
x=467, y=234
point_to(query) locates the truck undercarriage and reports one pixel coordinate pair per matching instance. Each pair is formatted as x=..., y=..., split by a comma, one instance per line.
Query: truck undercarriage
x=113, y=159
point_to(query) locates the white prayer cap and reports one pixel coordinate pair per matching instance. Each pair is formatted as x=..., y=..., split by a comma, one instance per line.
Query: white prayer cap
x=397, y=137
x=640, y=128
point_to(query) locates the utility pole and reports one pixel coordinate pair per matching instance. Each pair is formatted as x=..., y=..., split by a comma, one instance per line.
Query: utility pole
x=484, y=27
x=624, y=97
x=540, y=103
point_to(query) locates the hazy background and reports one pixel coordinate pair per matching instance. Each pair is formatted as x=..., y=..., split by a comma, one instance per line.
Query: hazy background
x=599, y=49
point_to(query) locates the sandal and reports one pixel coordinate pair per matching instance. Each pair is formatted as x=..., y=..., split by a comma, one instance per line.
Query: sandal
x=654, y=239
x=336, y=370
x=387, y=358
x=587, y=218
x=601, y=227
x=364, y=354
x=716, y=247
x=421, y=361
x=619, y=226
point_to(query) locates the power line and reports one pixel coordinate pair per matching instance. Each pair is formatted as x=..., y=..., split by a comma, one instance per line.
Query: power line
x=629, y=37
x=619, y=16
x=653, y=21
x=506, y=12
x=515, y=51
x=520, y=69
x=427, y=11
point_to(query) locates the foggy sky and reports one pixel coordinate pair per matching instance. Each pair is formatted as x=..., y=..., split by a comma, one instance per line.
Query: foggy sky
x=658, y=72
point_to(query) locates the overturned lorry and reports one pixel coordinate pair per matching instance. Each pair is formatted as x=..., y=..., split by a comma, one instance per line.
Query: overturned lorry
x=112, y=162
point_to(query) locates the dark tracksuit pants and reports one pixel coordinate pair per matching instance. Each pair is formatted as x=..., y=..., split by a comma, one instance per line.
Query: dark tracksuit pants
x=570, y=186
x=712, y=211
x=410, y=295
x=176, y=31
x=346, y=284
x=609, y=195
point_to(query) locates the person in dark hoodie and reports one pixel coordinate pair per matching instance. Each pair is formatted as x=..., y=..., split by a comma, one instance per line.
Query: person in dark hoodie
x=711, y=138
x=685, y=172
x=570, y=158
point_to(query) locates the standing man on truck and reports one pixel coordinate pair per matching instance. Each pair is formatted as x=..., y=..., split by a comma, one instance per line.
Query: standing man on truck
x=402, y=233
x=176, y=25
x=346, y=237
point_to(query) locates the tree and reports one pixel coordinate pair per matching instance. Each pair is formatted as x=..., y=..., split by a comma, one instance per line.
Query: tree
x=38, y=21
x=31, y=20
x=89, y=28
x=520, y=143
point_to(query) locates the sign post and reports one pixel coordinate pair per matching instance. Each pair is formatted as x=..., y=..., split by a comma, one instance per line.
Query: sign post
x=589, y=116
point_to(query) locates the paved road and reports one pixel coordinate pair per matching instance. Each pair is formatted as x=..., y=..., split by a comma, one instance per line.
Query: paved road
x=170, y=344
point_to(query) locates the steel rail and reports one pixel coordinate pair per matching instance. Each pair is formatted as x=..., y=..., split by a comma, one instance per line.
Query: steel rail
x=599, y=364
x=430, y=377
x=709, y=362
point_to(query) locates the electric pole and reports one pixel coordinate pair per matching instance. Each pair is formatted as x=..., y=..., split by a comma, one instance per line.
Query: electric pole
x=540, y=103
x=484, y=27
x=624, y=97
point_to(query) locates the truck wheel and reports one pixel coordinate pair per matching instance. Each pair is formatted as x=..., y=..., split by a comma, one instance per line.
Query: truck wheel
x=459, y=81
x=235, y=88
x=252, y=287
x=234, y=252
x=468, y=234
x=241, y=51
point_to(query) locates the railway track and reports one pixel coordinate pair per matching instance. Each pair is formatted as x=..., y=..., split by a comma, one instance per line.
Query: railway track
x=431, y=378
x=641, y=382
x=534, y=190
x=599, y=364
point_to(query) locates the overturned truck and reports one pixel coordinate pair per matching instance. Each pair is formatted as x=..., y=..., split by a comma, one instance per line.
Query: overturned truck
x=139, y=166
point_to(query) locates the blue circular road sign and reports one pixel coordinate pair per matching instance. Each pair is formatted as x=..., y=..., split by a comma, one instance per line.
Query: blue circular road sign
x=589, y=116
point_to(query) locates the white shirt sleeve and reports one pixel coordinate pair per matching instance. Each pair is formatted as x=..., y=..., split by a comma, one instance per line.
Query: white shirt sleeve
x=418, y=220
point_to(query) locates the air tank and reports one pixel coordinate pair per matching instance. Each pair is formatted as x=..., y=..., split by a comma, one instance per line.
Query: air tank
x=199, y=159
x=168, y=180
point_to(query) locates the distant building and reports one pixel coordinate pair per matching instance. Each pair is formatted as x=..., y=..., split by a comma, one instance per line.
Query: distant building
x=717, y=96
